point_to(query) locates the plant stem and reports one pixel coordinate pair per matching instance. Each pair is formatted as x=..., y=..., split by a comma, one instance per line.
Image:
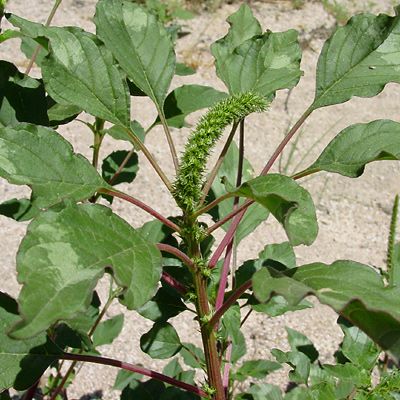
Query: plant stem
x=98, y=139
x=174, y=283
x=90, y=333
x=134, y=368
x=286, y=140
x=176, y=252
x=143, y=206
x=232, y=229
x=169, y=139
x=214, y=171
x=149, y=157
x=303, y=174
x=211, y=205
x=228, y=303
x=208, y=338
x=229, y=216
x=53, y=11
x=30, y=393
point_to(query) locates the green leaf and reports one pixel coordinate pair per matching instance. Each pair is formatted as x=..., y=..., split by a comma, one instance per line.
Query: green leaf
x=174, y=370
x=263, y=391
x=44, y=160
x=358, y=348
x=167, y=303
x=354, y=290
x=358, y=60
x=65, y=253
x=227, y=173
x=112, y=163
x=124, y=378
x=193, y=356
x=149, y=390
x=107, y=331
x=140, y=44
x=183, y=70
x=299, y=342
x=19, y=209
x=358, y=145
x=22, y=98
x=262, y=64
x=22, y=362
x=298, y=361
x=257, y=369
x=243, y=26
x=288, y=202
x=60, y=114
x=81, y=72
x=276, y=255
x=119, y=133
x=29, y=46
x=230, y=330
x=186, y=99
x=161, y=341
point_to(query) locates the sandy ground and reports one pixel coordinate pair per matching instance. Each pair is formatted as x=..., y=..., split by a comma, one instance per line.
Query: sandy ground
x=353, y=215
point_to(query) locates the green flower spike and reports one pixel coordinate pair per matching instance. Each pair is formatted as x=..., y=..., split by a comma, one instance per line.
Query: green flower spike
x=190, y=178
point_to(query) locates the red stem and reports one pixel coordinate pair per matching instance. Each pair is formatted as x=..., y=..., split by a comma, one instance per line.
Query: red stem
x=171, y=281
x=143, y=206
x=135, y=368
x=231, y=300
x=176, y=252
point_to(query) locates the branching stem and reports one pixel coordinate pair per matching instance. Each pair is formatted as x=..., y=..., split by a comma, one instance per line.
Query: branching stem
x=134, y=368
x=176, y=252
x=143, y=206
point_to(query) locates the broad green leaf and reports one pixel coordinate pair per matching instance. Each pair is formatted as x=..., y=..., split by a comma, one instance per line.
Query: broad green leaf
x=243, y=26
x=29, y=46
x=111, y=165
x=263, y=391
x=257, y=369
x=124, y=378
x=148, y=390
x=230, y=331
x=358, y=348
x=140, y=44
x=108, y=330
x=161, y=341
x=288, y=202
x=354, y=290
x=81, y=72
x=301, y=343
x=186, y=99
x=9, y=34
x=227, y=173
x=276, y=255
x=60, y=114
x=192, y=356
x=22, y=362
x=277, y=306
x=19, y=209
x=44, y=160
x=65, y=253
x=358, y=60
x=183, y=70
x=175, y=370
x=298, y=361
x=263, y=64
x=22, y=98
x=120, y=133
x=167, y=303
x=358, y=145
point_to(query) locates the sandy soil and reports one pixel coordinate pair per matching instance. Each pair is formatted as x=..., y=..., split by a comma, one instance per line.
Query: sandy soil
x=353, y=214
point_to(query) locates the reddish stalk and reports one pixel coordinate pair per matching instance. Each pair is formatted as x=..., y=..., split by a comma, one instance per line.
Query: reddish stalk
x=232, y=229
x=228, y=303
x=171, y=281
x=176, y=252
x=143, y=206
x=134, y=368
